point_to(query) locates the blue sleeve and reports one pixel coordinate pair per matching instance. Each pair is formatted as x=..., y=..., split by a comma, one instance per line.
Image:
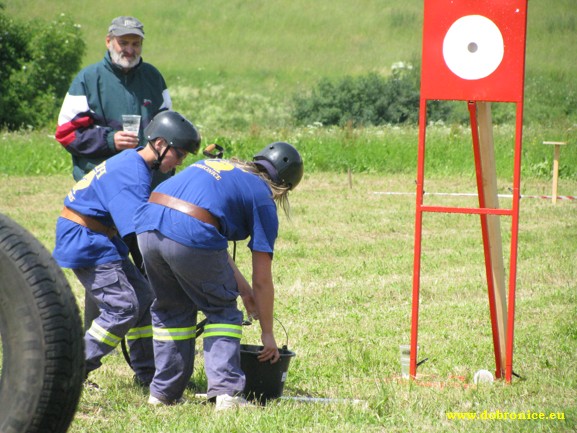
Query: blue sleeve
x=123, y=207
x=264, y=229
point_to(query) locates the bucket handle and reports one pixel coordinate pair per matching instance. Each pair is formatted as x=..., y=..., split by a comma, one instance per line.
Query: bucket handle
x=285, y=347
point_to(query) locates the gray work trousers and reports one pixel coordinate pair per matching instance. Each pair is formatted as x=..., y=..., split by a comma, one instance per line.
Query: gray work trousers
x=187, y=280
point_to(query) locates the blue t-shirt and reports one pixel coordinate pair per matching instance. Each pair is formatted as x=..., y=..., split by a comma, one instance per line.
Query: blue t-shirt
x=110, y=193
x=241, y=201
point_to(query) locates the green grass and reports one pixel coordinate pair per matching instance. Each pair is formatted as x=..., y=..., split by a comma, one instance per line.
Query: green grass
x=343, y=276
x=368, y=150
x=343, y=268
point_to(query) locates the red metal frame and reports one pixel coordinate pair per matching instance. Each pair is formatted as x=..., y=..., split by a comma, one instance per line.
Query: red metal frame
x=483, y=211
x=506, y=84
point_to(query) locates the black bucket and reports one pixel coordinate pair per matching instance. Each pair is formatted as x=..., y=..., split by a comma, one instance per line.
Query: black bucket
x=264, y=381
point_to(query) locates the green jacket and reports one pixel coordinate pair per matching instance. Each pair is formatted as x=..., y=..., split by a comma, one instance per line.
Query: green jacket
x=93, y=107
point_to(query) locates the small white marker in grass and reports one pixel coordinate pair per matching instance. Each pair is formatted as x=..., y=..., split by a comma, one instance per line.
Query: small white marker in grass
x=483, y=376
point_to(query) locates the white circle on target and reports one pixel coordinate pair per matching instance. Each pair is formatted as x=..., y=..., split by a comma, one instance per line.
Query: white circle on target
x=473, y=47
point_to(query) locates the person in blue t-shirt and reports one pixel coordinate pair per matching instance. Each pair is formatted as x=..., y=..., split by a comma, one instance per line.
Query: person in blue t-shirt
x=90, y=123
x=97, y=215
x=183, y=233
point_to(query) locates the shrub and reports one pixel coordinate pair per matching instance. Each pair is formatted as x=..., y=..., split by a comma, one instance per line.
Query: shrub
x=365, y=100
x=38, y=63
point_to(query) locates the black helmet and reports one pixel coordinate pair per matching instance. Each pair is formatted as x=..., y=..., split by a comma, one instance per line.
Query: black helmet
x=175, y=129
x=282, y=162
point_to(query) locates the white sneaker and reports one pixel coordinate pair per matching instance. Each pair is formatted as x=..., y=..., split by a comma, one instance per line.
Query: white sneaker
x=224, y=402
x=157, y=401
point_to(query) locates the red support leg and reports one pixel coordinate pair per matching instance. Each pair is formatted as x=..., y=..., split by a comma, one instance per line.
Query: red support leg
x=418, y=232
x=514, y=243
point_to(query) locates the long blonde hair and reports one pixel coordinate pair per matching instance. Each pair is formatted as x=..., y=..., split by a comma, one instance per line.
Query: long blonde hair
x=279, y=193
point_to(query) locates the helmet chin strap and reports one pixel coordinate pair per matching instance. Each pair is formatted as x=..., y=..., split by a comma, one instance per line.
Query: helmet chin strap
x=159, y=157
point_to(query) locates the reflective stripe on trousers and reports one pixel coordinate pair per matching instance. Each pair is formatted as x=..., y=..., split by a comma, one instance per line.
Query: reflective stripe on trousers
x=223, y=330
x=142, y=332
x=173, y=334
x=103, y=336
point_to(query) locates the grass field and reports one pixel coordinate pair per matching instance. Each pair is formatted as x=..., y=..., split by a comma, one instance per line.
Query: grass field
x=236, y=65
x=343, y=273
x=343, y=265
x=284, y=44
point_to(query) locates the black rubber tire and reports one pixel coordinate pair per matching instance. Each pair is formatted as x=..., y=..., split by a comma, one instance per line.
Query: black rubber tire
x=42, y=349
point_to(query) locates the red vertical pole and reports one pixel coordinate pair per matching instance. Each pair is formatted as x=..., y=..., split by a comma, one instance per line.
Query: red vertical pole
x=486, y=242
x=418, y=233
x=514, y=242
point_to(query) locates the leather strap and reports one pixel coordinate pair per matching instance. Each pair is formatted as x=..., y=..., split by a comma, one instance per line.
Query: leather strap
x=88, y=222
x=185, y=207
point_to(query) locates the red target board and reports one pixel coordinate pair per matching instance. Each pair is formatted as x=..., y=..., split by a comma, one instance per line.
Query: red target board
x=474, y=50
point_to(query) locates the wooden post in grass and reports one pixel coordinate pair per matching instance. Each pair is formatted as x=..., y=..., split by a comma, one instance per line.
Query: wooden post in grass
x=557, y=145
x=493, y=223
x=350, y=176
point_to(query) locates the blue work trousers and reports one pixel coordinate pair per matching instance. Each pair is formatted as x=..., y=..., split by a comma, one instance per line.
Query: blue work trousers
x=123, y=297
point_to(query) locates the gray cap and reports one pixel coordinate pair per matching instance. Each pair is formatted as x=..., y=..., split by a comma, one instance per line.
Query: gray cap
x=121, y=26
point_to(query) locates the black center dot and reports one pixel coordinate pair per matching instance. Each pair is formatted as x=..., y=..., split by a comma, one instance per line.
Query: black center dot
x=472, y=47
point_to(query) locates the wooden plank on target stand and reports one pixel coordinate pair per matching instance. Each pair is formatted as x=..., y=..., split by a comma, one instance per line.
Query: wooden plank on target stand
x=486, y=144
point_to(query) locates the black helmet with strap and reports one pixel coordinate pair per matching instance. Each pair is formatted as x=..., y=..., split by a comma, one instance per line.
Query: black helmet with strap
x=282, y=162
x=176, y=130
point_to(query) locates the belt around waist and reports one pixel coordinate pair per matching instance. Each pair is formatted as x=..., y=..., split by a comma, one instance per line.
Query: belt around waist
x=185, y=207
x=88, y=222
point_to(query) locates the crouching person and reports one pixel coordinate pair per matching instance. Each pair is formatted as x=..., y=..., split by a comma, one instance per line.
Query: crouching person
x=98, y=213
x=183, y=233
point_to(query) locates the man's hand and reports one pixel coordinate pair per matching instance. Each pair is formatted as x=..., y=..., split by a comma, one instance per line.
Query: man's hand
x=125, y=140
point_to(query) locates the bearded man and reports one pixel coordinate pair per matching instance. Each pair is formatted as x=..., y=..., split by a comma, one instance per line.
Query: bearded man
x=90, y=120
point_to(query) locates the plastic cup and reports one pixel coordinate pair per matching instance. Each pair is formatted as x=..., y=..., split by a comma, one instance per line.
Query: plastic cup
x=405, y=350
x=131, y=122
